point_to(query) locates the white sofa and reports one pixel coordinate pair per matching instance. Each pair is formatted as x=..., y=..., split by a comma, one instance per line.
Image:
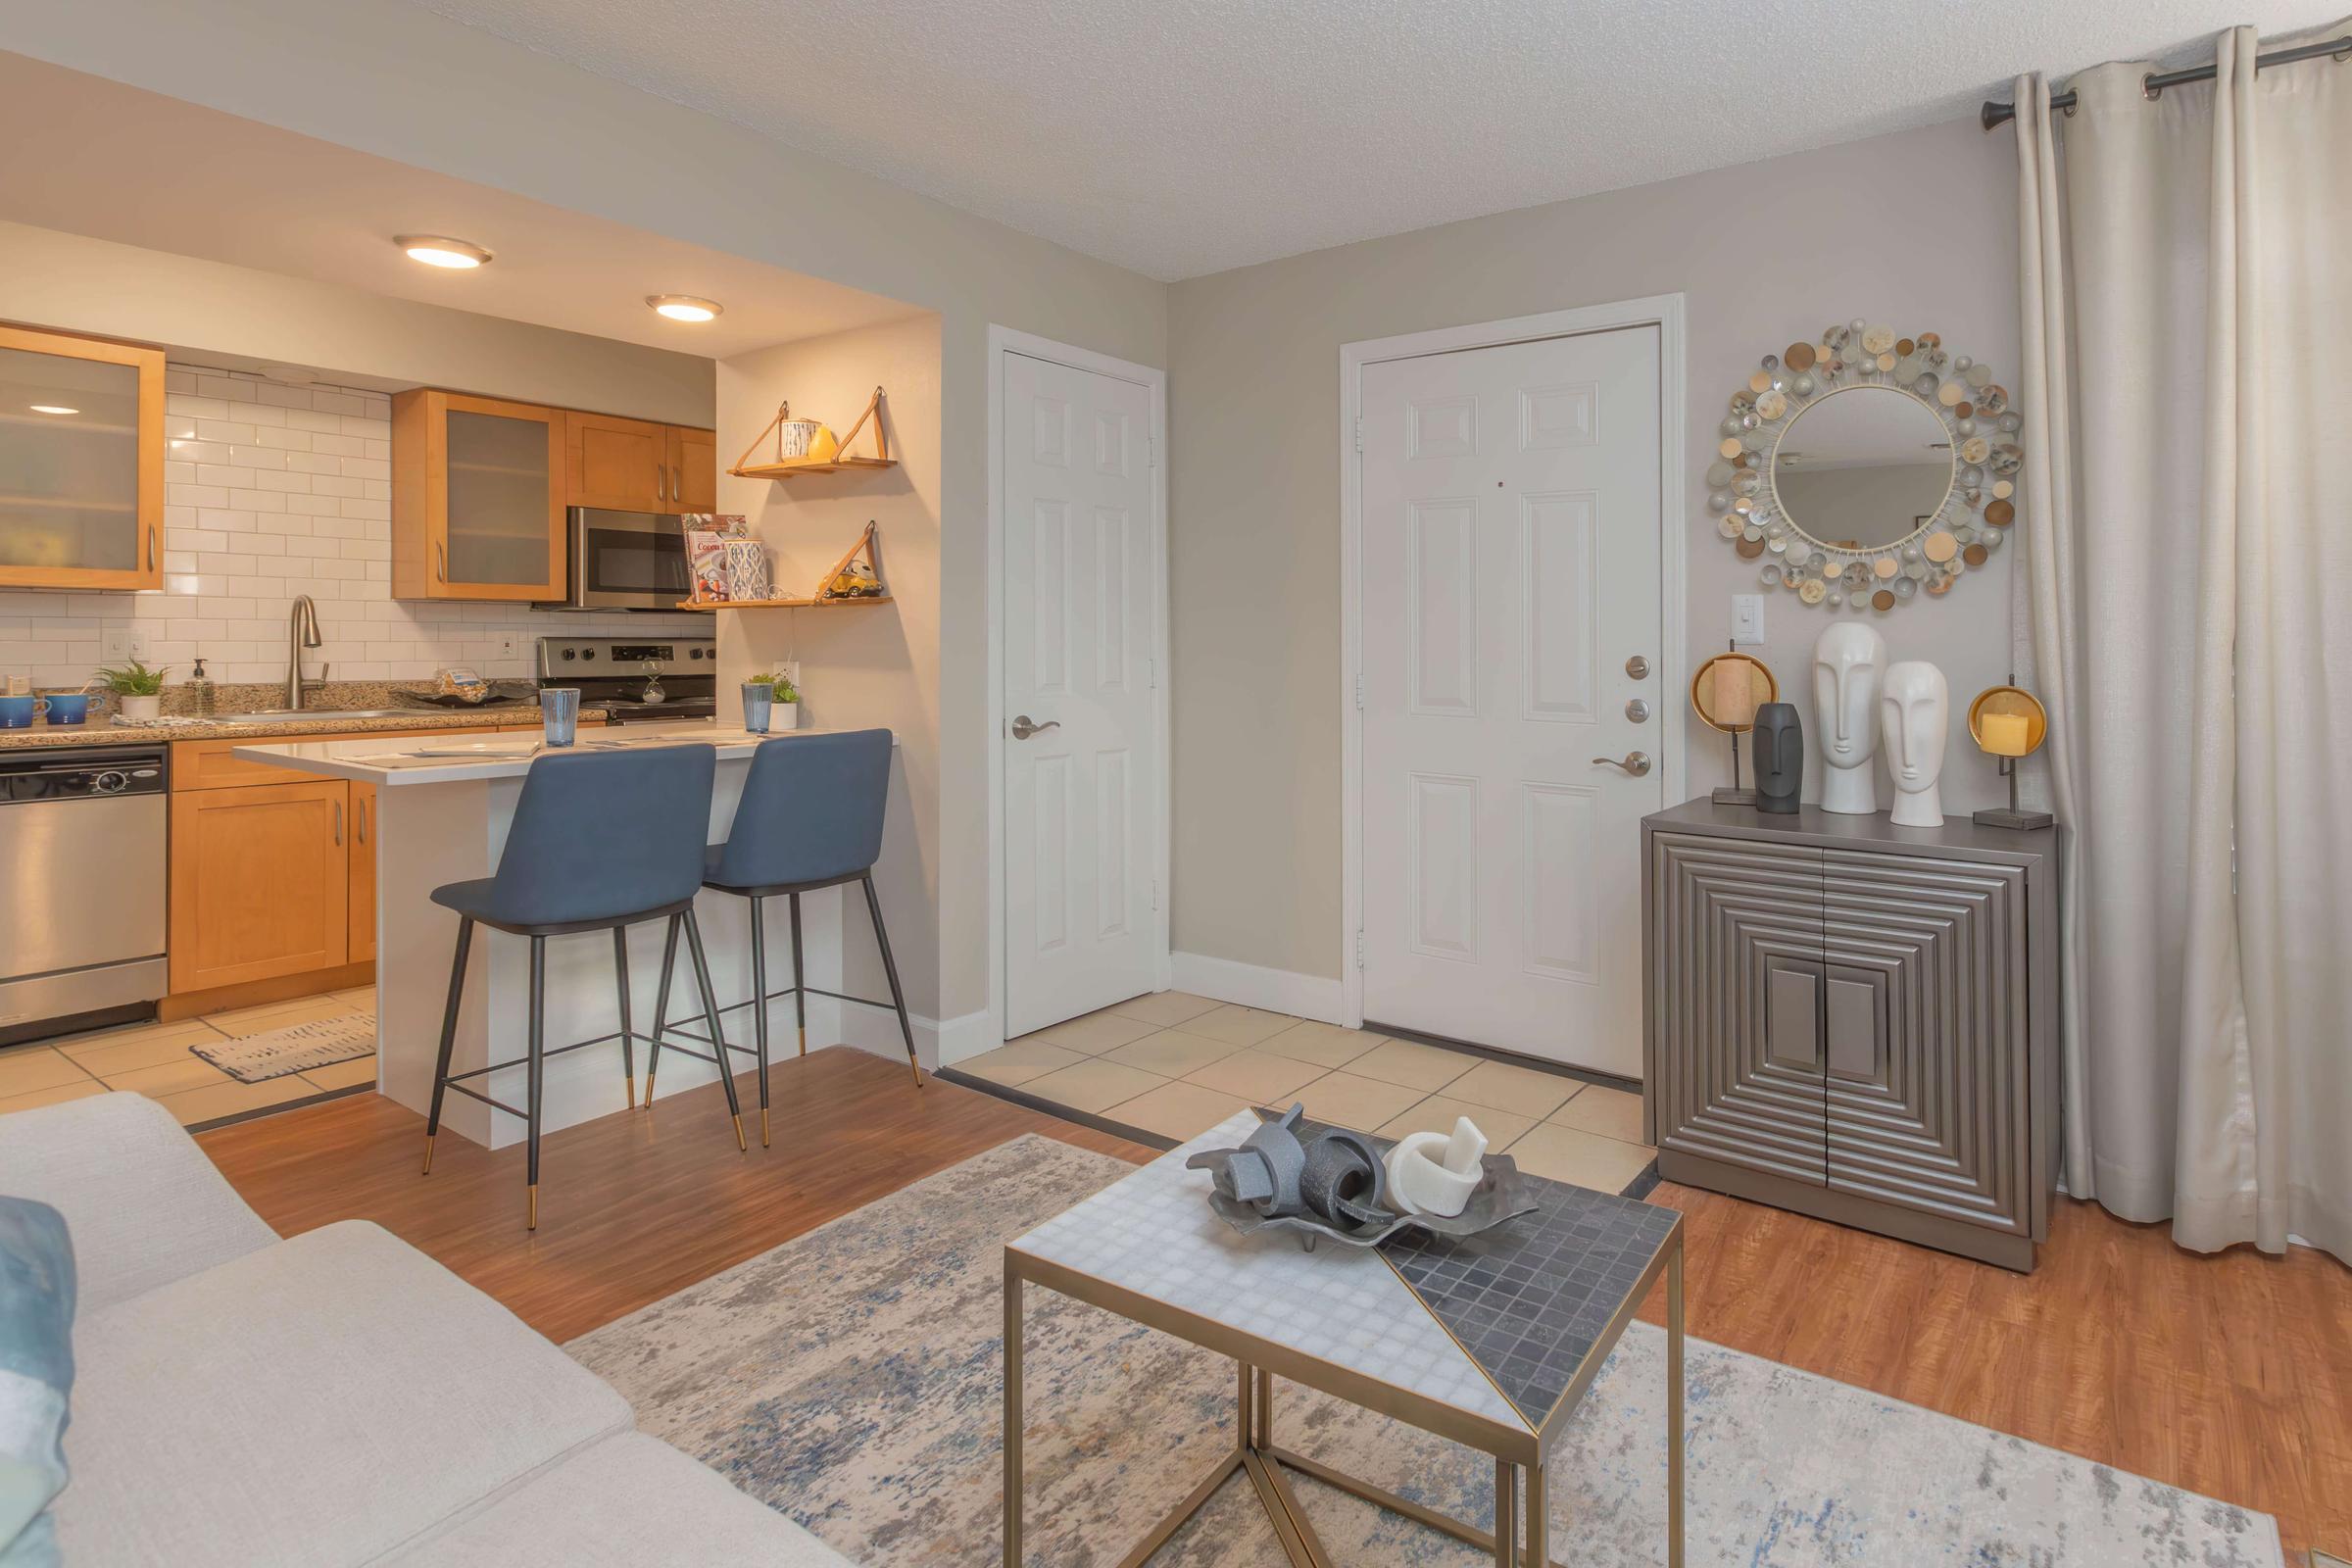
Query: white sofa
x=338, y=1398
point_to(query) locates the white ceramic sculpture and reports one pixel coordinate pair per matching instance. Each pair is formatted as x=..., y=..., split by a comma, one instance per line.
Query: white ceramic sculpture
x=1434, y=1173
x=1848, y=661
x=1915, y=712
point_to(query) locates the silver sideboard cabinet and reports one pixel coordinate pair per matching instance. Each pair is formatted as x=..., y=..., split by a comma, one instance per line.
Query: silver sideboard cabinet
x=1855, y=1020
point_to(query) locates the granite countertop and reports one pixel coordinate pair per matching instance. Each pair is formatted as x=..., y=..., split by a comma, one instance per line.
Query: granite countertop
x=179, y=723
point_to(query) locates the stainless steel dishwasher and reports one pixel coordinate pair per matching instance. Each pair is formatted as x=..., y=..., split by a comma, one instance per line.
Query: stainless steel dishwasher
x=82, y=870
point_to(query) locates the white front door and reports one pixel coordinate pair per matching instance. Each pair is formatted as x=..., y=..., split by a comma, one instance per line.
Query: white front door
x=1510, y=570
x=1082, y=765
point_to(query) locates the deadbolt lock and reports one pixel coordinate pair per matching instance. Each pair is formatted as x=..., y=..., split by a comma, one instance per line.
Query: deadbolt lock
x=1638, y=667
x=1637, y=711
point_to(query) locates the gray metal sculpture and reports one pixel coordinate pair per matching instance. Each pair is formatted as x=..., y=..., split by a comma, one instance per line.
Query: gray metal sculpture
x=1334, y=1182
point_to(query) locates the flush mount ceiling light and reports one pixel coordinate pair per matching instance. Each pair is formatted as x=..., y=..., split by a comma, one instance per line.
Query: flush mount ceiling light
x=684, y=307
x=439, y=250
x=51, y=408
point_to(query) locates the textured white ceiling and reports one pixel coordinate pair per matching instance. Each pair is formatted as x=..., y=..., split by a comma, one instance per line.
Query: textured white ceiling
x=1178, y=137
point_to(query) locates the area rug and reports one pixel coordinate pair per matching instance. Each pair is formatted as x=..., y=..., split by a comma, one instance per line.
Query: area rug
x=853, y=1378
x=320, y=1043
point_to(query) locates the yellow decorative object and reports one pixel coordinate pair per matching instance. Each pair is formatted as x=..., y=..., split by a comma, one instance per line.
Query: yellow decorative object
x=2002, y=734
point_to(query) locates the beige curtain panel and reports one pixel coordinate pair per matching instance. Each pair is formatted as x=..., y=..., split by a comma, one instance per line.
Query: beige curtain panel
x=2186, y=272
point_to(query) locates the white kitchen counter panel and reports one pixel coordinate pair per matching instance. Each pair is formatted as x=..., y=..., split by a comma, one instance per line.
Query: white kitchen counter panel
x=439, y=760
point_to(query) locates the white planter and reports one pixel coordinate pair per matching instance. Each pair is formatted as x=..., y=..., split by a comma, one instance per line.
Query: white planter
x=139, y=706
x=783, y=715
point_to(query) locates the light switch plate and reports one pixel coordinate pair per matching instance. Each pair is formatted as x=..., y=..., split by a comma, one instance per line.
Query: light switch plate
x=139, y=644
x=1748, y=617
x=114, y=645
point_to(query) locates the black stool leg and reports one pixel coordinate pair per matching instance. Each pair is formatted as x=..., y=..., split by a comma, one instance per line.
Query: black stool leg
x=652, y=1049
x=538, y=1071
x=760, y=1009
x=620, y=973
x=890, y=967
x=800, y=990
x=719, y=1041
x=449, y=1034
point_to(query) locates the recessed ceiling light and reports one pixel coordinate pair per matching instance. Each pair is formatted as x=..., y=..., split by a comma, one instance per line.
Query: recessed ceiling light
x=439, y=250
x=684, y=307
x=51, y=408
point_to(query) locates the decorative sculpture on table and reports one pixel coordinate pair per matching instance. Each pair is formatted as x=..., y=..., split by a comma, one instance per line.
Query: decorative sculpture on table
x=1434, y=1173
x=1848, y=661
x=1725, y=694
x=1780, y=759
x=1915, y=712
x=2009, y=722
x=1336, y=1183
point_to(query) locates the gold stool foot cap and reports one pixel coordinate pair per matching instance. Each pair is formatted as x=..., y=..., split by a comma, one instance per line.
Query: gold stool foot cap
x=532, y=1223
x=763, y=1126
x=804, y=1040
x=428, y=1155
x=741, y=1147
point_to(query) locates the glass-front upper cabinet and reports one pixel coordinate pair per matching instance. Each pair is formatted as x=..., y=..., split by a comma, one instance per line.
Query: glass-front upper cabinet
x=477, y=498
x=81, y=463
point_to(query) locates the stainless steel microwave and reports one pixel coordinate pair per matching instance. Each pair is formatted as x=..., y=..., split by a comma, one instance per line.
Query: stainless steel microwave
x=626, y=560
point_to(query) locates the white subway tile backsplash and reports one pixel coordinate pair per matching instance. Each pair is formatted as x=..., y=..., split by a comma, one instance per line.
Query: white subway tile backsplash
x=272, y=491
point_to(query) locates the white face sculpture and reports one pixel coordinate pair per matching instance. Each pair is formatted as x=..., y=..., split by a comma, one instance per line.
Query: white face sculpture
x=1846, y=664
x=1914, y=706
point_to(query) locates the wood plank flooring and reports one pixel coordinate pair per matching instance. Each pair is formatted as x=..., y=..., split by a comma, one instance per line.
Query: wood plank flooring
x=2231, y=1376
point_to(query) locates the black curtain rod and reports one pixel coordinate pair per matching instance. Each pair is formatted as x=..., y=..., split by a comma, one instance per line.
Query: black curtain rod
x=1995, y=114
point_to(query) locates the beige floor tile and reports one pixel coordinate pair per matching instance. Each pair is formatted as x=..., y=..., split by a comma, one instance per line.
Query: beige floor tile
x=1238, y=1026
x=1164, y=1007
x=1094, y=1086
x=51, y=1095
x=1579, y=1158
x=1176, y=1110
x=1522, y=1090
x=1326, y=1045
x=1171, y=1052
x=1018, y=1062
x=1414, y=1064
x=342, y=1074
x=26, y=1068
x=1610, y=1112
x=168, y=1078
x=157, y=1046
x=259, y=1020
x=228, y=1097
x=1346, y=1099
x=1439, y=1112
x=1257, y=1077
x=186, y=1031
x=1095, y=1033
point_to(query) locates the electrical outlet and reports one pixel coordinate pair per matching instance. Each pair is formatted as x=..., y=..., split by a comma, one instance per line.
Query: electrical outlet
x=506, y=645
x=1748, y=617
x=792, y=672
x=114, y=645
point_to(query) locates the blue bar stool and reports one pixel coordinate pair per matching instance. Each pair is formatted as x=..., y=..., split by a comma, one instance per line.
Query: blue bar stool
x=810, y=818
x=565, y=870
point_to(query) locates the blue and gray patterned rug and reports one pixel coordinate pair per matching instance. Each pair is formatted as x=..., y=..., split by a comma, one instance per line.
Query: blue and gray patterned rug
x=852, y=1378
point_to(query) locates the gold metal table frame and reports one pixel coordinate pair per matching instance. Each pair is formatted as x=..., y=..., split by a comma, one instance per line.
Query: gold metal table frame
x=1519, y=1452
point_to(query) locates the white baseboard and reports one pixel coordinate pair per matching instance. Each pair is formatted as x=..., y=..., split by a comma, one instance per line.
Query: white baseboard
x=936, y=1045
x=1303, y=995
x=961, y=1038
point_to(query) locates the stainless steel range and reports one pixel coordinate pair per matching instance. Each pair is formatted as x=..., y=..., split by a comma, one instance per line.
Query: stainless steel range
x=636, y=681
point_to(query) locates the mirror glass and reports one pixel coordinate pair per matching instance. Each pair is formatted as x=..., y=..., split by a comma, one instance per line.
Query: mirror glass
x=1863, y=468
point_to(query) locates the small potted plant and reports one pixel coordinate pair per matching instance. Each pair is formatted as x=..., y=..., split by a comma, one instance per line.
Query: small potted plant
x=138, y=690
x=784, y=700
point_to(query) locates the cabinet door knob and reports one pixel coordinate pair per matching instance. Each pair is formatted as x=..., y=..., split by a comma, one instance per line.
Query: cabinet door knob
x=1635, y=762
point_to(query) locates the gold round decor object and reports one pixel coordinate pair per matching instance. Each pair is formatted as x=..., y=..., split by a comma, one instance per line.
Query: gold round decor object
x=1877, y=340
x=1976, y=555
x=1885, y=567
x=1759, y=383
x=1939, y=546
x=1749, y=549
x=1770, y=406
x=2001, y=513
x=1811, y=590
x=1975, y=449
x=2008, y=701
x=1730, y=446
x=1905, y=348
x=1797, y=356
x=1886, y=362
x=2003, y=489
x=1951, y=393
x=1717, y=694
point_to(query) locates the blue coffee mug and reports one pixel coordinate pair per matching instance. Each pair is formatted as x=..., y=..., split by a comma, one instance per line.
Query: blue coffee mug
x=66, y=707
x=16, y=712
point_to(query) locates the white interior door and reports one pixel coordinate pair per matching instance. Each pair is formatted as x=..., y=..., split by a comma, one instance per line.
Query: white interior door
x=1510, y=570
x=1082, y=765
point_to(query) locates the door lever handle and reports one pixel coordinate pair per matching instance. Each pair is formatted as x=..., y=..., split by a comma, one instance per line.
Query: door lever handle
x=1635, y=763
x=1022, y=729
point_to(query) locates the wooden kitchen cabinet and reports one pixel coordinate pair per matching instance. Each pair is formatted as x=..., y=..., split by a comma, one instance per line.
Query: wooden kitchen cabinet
x=477, y=498
x=81, y=463
x=616, y=465
x=360, y=945
x=694, y=470
x=260, y=882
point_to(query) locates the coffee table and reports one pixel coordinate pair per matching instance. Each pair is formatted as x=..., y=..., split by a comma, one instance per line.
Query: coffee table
x=1489, y=1340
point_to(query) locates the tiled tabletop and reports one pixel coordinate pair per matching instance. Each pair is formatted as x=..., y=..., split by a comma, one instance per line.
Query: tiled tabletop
x=1494, y=1325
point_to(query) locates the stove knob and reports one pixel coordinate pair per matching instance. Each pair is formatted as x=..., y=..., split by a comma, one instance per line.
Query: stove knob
x=587, y=653
x=570, y=655
x=111, y=782
x=697, y=654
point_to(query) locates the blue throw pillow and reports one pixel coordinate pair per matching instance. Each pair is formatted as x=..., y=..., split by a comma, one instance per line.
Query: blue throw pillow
x=36, y=1373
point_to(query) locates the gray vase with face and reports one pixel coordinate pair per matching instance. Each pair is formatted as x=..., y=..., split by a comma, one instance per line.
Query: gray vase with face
x=1779, y=749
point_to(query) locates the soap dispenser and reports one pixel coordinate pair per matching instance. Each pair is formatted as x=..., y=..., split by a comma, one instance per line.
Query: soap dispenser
x=202, y=693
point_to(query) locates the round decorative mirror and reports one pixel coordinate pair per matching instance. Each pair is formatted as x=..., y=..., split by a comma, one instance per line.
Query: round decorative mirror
x=1864, y=471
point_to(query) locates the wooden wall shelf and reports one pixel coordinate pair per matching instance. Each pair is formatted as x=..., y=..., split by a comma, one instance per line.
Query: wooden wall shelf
x=785, y=470
x=781, y=603
x=786, y=467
